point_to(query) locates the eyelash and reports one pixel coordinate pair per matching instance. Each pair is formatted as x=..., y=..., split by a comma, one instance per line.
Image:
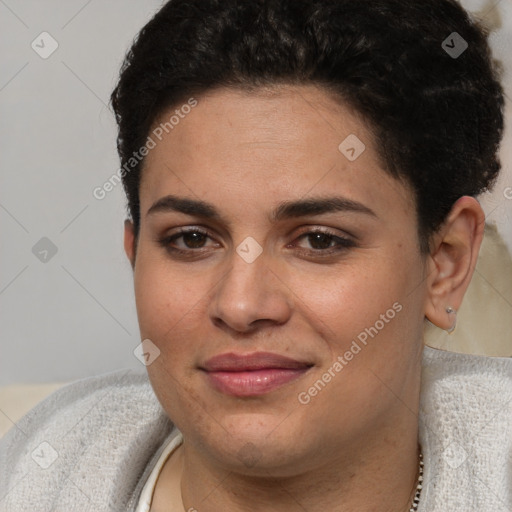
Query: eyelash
x=343, y=243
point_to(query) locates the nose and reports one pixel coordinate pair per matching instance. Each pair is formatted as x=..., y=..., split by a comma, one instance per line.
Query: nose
x=250, y=296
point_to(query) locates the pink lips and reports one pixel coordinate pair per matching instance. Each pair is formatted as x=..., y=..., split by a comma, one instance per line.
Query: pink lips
x=252, y=374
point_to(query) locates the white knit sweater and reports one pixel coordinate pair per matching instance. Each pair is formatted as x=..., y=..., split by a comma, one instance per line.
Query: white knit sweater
x=92, y=444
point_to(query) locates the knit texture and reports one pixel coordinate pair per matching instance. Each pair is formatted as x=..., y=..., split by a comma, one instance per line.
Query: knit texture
x=91, y=445
x=466, y=432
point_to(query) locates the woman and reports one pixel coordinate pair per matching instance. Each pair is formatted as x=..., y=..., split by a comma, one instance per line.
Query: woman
x=301, y=179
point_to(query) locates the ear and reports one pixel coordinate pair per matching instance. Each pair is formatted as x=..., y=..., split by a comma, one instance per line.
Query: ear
x=130, y=242
x=452, y=260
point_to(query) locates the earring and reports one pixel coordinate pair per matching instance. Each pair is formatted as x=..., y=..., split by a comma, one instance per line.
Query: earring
x=452, y=311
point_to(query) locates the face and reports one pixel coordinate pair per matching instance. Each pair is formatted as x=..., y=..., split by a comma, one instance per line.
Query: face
x=280, y=277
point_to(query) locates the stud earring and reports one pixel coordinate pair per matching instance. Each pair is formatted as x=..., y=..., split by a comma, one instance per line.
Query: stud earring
x=452, y=311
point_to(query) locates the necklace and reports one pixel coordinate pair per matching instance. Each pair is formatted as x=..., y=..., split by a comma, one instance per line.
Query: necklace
x=416, y=499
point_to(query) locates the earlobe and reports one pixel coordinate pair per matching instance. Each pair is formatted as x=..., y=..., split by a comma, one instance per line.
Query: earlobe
x=453, y=257
x=129, y=241
x=451, y=311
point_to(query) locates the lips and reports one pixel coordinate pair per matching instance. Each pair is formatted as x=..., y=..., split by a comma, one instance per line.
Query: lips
x=247, y=375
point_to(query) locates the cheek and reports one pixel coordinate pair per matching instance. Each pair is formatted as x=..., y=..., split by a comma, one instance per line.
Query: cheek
x=368, y=320
x=366, y=315
x=167, y=299
x=344, y=300
x=169, y=306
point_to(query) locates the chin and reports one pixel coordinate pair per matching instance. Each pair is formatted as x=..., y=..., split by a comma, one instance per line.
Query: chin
x=253, y=444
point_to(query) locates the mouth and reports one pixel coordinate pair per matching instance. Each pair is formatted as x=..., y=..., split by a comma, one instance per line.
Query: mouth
x=246, y=375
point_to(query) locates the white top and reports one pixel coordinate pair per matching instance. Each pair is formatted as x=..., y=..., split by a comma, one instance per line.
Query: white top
x=148, y=490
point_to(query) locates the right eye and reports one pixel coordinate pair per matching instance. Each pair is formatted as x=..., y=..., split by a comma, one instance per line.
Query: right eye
x=188, y=242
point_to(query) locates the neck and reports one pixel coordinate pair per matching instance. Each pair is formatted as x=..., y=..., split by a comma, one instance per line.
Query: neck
x=380, y=474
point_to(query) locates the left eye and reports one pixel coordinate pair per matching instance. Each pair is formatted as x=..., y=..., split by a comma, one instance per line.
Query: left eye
x=321, y=241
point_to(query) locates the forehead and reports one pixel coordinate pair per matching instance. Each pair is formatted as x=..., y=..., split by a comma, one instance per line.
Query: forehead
x=268, y=143
x=283, y=115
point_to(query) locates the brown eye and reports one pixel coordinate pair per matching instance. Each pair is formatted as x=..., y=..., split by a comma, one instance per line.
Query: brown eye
x=191, y=241
x=194, y=239
x=320, y=241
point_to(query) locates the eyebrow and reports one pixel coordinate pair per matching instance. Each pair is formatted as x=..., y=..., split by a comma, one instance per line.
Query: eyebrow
x=184, y=205
x=286, y=210
x=318, y=206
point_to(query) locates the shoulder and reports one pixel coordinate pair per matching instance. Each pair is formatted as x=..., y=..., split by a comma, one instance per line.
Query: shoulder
x=90, y=440
x=465, y=422
x=469, y=393
x=465, y=375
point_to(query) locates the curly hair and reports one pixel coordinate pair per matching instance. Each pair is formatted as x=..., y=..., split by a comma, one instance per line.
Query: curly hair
x=437, y=118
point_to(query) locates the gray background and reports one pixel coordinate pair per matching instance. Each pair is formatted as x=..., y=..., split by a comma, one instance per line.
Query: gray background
x=73, y=315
